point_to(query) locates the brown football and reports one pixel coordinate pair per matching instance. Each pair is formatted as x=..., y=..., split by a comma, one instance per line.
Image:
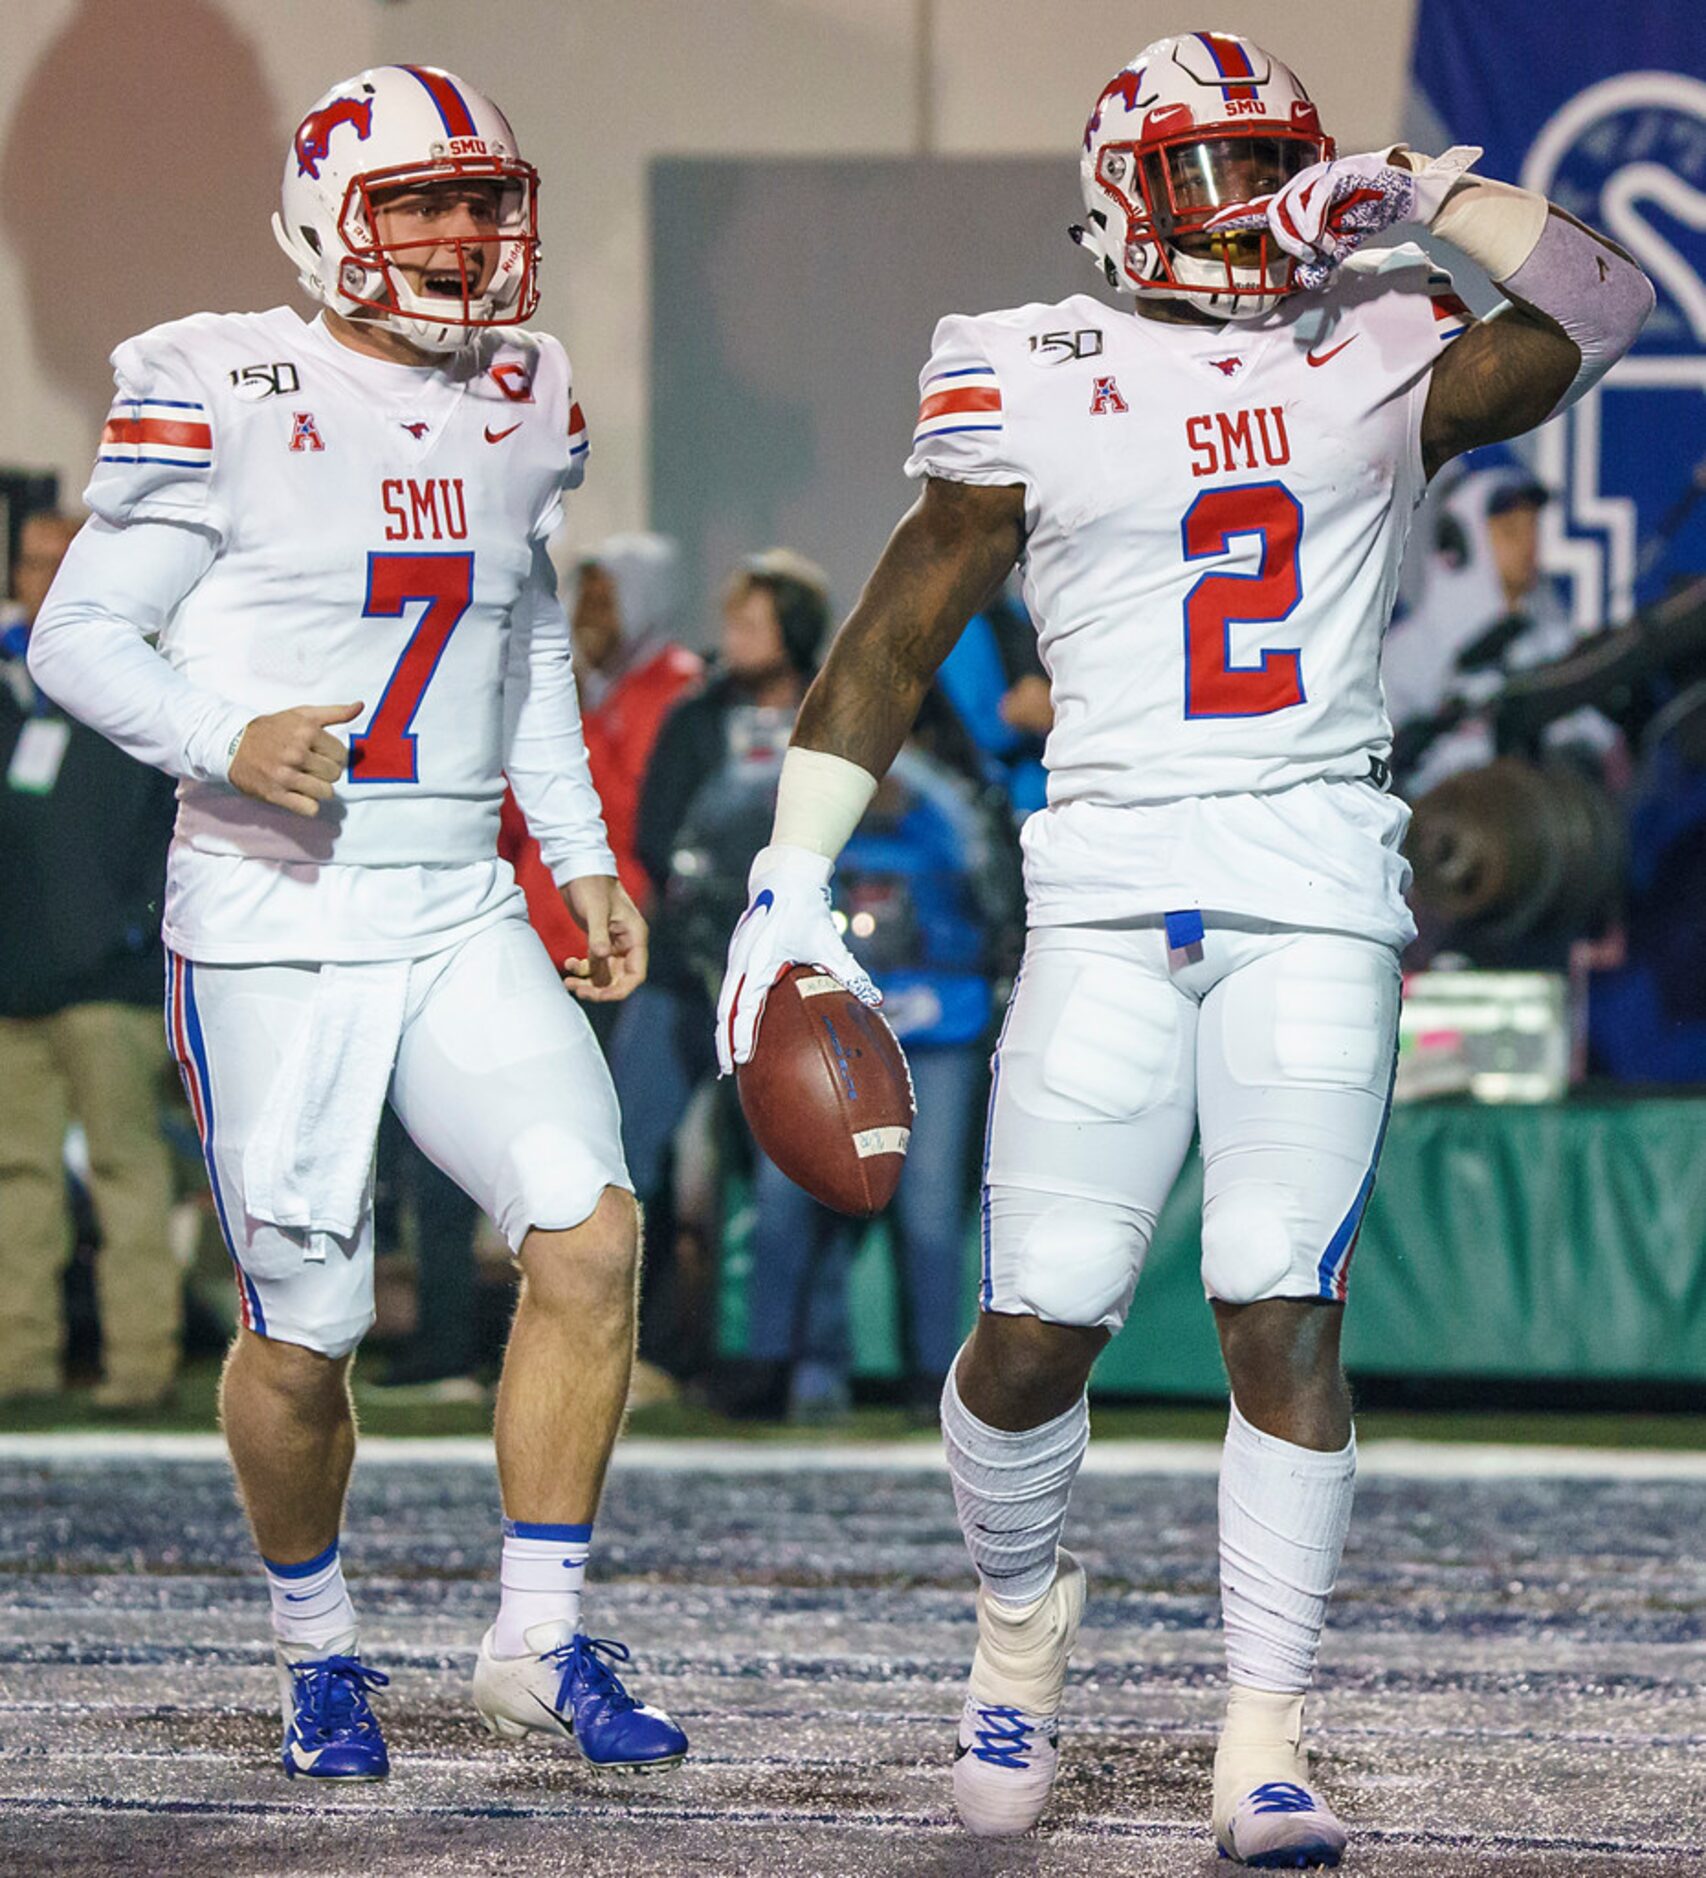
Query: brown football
x=827, y=1093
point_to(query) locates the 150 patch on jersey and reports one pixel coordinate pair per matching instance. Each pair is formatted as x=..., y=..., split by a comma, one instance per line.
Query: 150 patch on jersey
x=1057, y=348
x=255, y=382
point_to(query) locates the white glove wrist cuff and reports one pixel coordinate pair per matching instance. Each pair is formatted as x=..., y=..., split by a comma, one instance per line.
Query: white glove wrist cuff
x=1496, y=224
x=820, y=801
x=803, y=866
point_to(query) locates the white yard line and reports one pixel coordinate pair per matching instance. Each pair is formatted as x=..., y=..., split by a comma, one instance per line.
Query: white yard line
x=1394, y=1460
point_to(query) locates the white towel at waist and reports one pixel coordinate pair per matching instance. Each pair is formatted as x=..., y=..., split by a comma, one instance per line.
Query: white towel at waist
x=307, y=1164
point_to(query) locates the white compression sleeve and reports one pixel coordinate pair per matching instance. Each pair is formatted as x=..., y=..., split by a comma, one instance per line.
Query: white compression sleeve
x=89, y=650
x=819, y=801
x=1548, y=261
x=1284, y=1513
x=1593, y=290
x=1011, y=1492
x=544, y=746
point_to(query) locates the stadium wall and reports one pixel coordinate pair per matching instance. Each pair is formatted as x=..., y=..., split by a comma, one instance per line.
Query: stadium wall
x=183, y=108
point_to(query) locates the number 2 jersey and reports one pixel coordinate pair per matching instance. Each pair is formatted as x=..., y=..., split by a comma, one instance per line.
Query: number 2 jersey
x=1215, y=518
x=369, y=533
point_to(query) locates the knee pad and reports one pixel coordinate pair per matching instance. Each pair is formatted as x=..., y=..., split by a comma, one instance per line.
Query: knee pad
x=1246, y=1244
x=1067, y=1261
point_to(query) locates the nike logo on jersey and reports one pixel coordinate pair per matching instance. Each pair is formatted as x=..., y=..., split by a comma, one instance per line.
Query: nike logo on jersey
x=497, y=436
x=1321, y=358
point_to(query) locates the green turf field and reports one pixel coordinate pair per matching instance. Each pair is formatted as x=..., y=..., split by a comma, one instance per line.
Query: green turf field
x=1171, y=1421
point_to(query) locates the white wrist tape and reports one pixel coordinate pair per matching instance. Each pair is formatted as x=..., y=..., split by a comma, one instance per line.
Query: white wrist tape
x=1495, y=224
x=820, y=801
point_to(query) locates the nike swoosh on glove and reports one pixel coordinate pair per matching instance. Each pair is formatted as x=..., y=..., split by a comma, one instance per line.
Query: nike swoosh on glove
x=787, y=922
x=1326, y=212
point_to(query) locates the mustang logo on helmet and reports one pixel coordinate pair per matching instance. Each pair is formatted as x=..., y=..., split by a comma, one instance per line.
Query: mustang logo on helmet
x=1125, y=87
x=314, y=138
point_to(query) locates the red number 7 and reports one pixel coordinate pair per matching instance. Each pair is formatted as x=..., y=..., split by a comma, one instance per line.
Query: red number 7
x=385, y=751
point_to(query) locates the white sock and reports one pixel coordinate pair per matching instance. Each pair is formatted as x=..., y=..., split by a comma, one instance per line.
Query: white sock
x=543, y=1570
x=311, y=1608
x=1011, y=1490
x=1284, y=1512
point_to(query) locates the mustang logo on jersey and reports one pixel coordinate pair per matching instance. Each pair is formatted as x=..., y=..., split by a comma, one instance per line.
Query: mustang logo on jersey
x=411, y=508
x=314, y=137
x=1224, y=442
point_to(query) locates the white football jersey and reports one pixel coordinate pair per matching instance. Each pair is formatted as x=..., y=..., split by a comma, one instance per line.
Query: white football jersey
x=375, y=525
x=1215, y=518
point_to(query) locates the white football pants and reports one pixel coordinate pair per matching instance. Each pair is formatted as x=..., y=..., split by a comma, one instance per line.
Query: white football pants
x=1277, y=1042
x=496, y=1075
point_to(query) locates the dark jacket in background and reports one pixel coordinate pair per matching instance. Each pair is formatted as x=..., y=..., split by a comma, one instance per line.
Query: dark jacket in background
x=82, y=868
x=692, y=754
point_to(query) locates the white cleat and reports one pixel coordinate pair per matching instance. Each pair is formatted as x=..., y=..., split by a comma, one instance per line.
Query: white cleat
x=568, y=1687
x=1266, y=1814
x=1009, y=1740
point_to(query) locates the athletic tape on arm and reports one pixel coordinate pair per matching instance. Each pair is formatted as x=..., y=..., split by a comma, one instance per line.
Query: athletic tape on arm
x=820, y=801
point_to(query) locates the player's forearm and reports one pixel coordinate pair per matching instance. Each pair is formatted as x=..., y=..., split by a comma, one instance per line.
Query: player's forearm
x=565, y=817
x=866, y=698
x=1559, y=272
x=942, y=563
x=89, y=653
x=544, y=746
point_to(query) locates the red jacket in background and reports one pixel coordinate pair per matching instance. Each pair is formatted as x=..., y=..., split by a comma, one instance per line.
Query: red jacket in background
x=620, y=733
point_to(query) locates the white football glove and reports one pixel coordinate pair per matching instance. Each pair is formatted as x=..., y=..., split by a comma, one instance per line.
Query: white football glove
x=1326, y=212
x=787, y=922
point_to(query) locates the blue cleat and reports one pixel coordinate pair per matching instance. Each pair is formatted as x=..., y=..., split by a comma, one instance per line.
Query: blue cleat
x=569, y=1689
x=330, y=1732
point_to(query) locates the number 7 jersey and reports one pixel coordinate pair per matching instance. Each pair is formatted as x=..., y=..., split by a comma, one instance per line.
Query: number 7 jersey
x=374, y=528
x=1215, y=520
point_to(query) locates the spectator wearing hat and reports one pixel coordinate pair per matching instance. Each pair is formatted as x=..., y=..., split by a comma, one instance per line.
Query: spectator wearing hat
x=83, y=836
x=1485, y=609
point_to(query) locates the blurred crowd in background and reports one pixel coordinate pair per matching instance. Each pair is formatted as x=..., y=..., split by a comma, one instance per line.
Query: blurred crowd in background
x=1559, y=771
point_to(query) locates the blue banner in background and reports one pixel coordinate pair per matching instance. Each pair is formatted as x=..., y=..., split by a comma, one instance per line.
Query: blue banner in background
x=1602, y=108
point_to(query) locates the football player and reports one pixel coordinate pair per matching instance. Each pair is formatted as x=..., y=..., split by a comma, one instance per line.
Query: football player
x=333, y=533
x=1208, y=496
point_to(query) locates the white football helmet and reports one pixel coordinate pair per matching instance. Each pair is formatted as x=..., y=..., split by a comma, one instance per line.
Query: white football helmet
x=1192, y=126
x=402, y=127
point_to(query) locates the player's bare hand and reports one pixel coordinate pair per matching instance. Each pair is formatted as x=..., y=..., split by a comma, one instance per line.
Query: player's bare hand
x=616, y=940
x=291, y=759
